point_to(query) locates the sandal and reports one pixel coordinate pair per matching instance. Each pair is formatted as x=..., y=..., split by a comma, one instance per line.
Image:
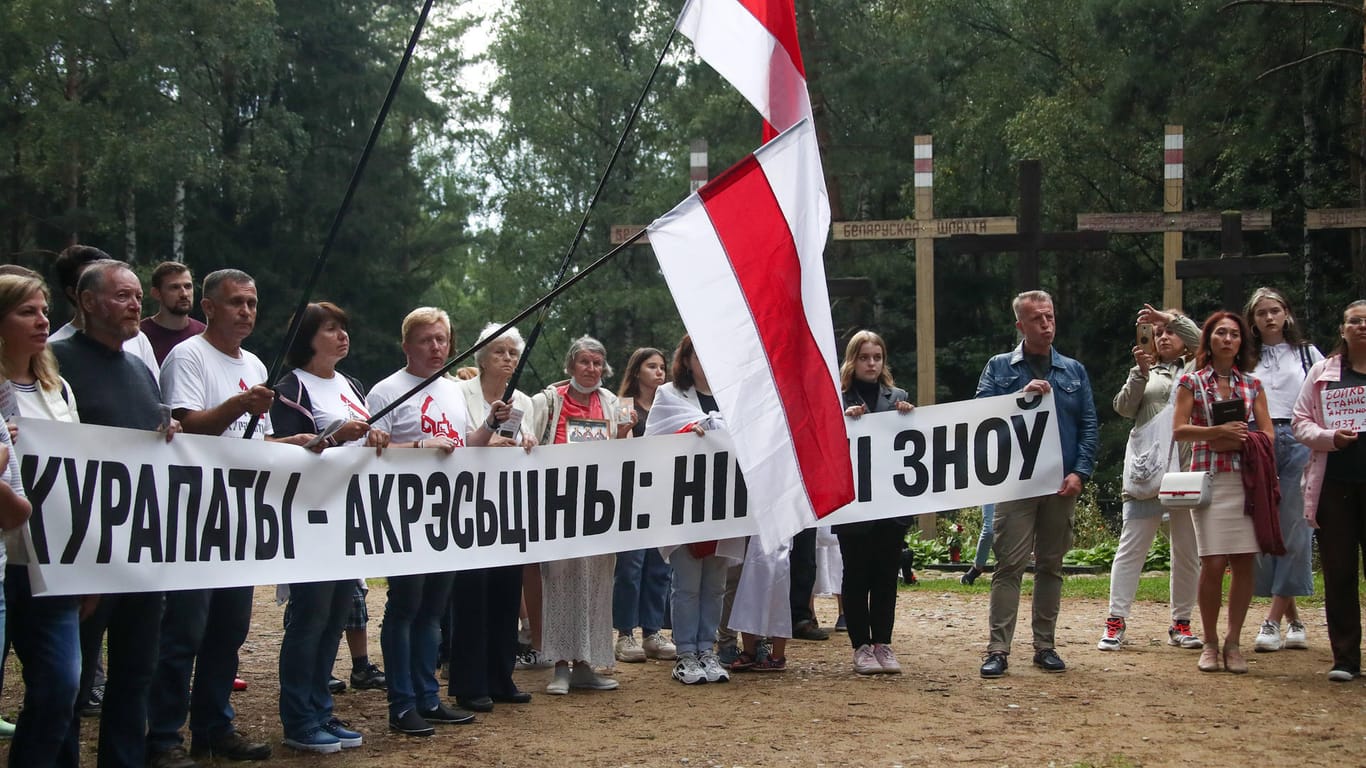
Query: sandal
x=1233, y=660
x=743, y=663
x=770, y=664
x=1209, y=658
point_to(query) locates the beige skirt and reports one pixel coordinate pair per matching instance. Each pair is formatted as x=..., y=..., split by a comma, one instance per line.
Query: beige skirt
x=1222, y=528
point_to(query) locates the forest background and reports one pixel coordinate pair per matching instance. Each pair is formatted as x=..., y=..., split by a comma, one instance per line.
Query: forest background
x=224, y=134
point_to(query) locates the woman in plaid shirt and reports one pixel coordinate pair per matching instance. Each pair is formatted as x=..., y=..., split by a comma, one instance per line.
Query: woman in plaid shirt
x=1223, y=533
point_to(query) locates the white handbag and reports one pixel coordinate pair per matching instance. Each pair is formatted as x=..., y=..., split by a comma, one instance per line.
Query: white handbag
x=1185, y=490
x=1143, y=458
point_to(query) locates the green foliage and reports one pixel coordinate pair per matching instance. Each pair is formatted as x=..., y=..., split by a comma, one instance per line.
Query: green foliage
x=927, y=551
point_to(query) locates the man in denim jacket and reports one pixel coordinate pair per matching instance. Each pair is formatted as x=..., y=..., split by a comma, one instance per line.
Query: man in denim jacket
x=1041, y=525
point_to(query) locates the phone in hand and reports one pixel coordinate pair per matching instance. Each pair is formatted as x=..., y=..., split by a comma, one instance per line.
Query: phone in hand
x=1145, y=339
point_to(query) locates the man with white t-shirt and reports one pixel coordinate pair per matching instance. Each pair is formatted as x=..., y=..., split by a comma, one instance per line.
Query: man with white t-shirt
x=436, y=417
x=214, y=387
x=70, y=264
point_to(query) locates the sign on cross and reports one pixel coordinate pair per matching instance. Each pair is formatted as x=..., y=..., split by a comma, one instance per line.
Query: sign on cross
x=1232, y=267
x=1030, y=240
x=1174, y=221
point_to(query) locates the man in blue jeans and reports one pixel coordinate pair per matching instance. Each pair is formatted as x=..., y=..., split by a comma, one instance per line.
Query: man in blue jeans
x=115, y=389
x=1041, y=526
x=214, y=387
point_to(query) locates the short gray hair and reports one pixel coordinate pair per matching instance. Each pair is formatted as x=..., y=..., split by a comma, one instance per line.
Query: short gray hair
x=1034, y=296
x=511, y=334
x=92, y=276
x=216, y=278
x=587, y=344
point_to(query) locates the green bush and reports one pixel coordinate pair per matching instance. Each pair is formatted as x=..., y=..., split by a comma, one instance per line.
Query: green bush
x=927, y=551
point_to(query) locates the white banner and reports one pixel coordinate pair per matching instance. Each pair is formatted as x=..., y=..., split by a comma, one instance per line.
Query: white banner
x=123, y=511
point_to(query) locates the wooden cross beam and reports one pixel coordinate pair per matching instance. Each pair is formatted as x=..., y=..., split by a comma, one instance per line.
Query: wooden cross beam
x=1173, y=222
x=924, y=229
x=1030, y=239
x=1335, y=218
x=1232, y=267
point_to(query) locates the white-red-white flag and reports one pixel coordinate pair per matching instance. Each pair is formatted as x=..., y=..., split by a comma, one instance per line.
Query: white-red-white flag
x=753, y=44
x=742, y=257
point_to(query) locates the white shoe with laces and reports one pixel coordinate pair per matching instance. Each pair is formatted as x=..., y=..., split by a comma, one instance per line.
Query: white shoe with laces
x=688, y=671
x=865, y=663
x=1268, y=638
x=886, y=659
x=1295, y=637
x=713, y=669
x=657, y=646
x=628, y=650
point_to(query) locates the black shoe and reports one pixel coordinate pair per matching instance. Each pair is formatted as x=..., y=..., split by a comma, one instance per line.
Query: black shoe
x=369, y=679
x=516, y=697
x=969, y=577
x=447, y=716
x=809, y=630
x=476, y=704
x=95, y=704
x=410, y=723
x=335, y=686
x=1049, y=661
x=995, y=665
x=234, y=746
x=175, y=757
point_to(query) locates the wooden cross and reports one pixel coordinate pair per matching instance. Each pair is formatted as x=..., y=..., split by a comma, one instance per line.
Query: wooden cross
x=1232, y=267
x=924, y=229
x=1335, y=218
x=1173, y=222
x=1031, y=240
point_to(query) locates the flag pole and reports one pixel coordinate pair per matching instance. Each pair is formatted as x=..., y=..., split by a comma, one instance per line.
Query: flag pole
x=345, y=207
x=489, y=338
x=583, y=223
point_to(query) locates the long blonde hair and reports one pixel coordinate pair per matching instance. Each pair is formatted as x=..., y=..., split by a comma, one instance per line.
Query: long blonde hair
x=851, y=357
x=15, y=290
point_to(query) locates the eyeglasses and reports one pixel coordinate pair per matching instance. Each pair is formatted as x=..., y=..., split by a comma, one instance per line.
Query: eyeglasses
x=1355, y=320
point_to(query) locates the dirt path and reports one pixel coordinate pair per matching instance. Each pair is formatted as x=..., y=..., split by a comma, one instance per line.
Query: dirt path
x=1146, y=705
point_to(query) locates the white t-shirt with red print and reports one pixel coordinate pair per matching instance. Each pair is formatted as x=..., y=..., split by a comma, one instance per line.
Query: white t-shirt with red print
x=196, y=376
x=437, y=411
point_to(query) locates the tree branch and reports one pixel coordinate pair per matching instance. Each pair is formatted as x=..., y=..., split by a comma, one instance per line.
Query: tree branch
x=1314, y=55
x=1320, y=3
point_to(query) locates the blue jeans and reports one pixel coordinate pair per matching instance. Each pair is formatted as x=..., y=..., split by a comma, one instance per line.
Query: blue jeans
x=1291, y=574
x=313, y=626
x=46, y=636
x=132, y=633
x=979, y=560
x=410, y=636
x=639, y=591
x=201, y=631
x=699, y=587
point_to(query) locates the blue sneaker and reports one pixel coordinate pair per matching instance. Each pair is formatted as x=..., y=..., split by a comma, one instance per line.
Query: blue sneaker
x=316, y=740
x=347, y=737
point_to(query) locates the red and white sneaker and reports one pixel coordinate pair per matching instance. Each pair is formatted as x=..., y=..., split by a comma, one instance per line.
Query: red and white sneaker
x=1180, y=635
x=1113, y=637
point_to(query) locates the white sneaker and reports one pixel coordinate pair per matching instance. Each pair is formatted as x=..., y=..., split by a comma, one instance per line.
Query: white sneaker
x=657, y=646
x=1295, y=637
x=559, y=684
x=1113, y=637
x=1268, y=638
x=628, y=650
x=712, y=666
x=865, y=663
x=1341, y=675
x=584, y=677
x=688, y=672
x=886, y=659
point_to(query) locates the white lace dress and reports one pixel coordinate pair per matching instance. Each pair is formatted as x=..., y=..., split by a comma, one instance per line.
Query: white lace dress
x=576, y=599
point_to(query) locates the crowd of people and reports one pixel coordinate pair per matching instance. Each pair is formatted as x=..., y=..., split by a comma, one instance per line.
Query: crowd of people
x=156, y=667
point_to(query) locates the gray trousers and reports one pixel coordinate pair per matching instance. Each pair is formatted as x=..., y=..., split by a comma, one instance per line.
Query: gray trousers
x=1041, y=526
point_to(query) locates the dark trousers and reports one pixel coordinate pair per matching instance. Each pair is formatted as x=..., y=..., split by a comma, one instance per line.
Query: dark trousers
x=802, y=560
x=1342, y=540
x=872, y=559
x=201, y=632
x=133, y=629
x=314, y=619
x=484, y=607
x=45, y=634
x=409, y=636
